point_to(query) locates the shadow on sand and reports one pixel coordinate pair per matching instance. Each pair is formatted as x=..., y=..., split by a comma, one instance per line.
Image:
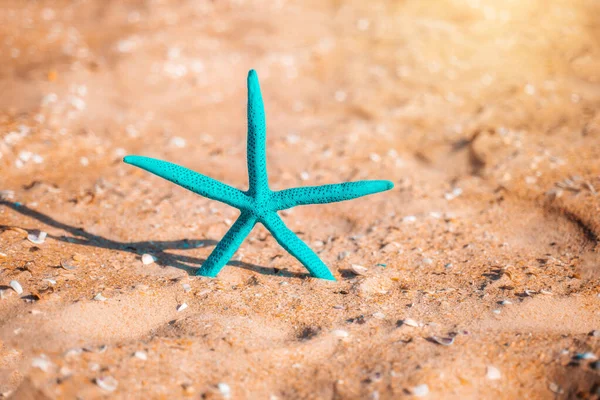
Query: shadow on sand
x=157, y=248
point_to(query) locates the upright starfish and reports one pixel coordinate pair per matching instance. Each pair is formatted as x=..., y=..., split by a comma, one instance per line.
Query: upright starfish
x=259, y=203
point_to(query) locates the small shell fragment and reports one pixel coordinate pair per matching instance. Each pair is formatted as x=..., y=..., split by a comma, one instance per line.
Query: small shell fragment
x=224, y=389
x=186, y=287
x=340, y=333
x=444, y=341
x=493, y=373
x=107, y=383
x=585, y=356
x=42, y=362
x=359, y=269
x=99, y=297
x=420, y=390
x=141, y=355
x=37, y=239
x=16, y=287
x=182, y=307
x=411, y=322
x=505, y=302
x=379, y=315
x=65, y=264
x=148, y=259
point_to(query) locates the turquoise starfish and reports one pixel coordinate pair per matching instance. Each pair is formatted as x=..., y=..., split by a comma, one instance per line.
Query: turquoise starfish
x=259, y=203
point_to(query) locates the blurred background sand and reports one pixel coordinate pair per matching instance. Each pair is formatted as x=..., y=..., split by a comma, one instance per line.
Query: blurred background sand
x=485, y=114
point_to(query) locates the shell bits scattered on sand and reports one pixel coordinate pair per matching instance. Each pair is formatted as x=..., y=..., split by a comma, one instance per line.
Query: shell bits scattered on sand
x=259, y=203
x=37, y=238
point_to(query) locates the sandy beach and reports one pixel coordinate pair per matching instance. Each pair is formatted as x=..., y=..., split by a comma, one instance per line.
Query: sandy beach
x=481, y=267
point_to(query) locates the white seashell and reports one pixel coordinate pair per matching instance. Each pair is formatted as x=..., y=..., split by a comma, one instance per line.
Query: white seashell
x=340, y=333
x=99, y=297
x=379, y=315
x=73, y=352
x=141, y=355
x=16, y=286
x=546, y=292
x=37, y=239
x=67, y=265
x=493, y=373
x=421, y=390
x=42, y=362
x=107, y=383
x=411, y=322
x=358, y=269
x=148, y=259
x=505, y=302
x=444, y=341
x=186, y=287
x=182, y=307
x=224, y=389
x=409, y=218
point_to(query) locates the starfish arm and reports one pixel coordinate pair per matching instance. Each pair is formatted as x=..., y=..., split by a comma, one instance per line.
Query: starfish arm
x=296, y=247
x=197, y=183
x=228, y=245
x=327, y=193
x=257, y=136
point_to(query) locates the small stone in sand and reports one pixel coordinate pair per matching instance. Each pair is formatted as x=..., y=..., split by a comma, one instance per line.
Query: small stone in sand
x=141, y=355
x=505, y=302
x=182, y=307
x=379, y=315
x=493, y=373
x=16, y=287
x=107, y=383
x=595, y=333
x=37, y=239
x=420, y=390
x=186, y=287
x=148, y=259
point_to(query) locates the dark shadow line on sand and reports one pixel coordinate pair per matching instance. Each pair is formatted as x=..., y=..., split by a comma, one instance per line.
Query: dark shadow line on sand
x=157, y=248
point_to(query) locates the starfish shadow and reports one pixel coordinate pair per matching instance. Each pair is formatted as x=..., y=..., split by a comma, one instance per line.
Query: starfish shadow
x=158, y=248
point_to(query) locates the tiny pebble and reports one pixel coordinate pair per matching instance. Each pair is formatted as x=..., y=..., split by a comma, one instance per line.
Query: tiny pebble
x=16, y=286
x=595, y=333
x=493, y=373
x=107, y=383
x=37, y=239
x=496, y=311
x=409, y=218
x=148, y=259
x=505, y=302
x=141, y=355
x=379, y=315
x=186, y=287
x=182, y=307
x=421, y=390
